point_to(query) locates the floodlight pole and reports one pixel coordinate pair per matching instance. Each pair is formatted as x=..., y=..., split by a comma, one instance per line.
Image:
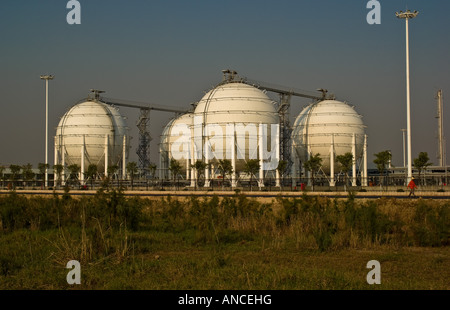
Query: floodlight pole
x=406, y=16
x=46, y=78
x=404, y=147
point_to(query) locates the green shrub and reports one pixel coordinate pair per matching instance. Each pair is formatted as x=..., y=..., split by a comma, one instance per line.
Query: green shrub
x=290, y=209
x=431, y=224
x=323, y=238
x=203, y=216
x=130, y=212
x=13, y=212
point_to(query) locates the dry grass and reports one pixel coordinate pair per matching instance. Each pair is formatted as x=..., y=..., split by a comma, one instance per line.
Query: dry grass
x=223, y=243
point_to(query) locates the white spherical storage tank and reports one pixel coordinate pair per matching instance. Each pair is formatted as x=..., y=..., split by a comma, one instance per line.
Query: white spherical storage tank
x=235, y=121
x=92, y=132
x=233, y=105
x=328, y=126
x=175, y=142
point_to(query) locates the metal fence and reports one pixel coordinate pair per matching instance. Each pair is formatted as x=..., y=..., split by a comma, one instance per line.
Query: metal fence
x=375, y=183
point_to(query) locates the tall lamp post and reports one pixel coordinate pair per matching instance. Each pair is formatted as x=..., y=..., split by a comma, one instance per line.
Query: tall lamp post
x=404, y=147
x=407, y=16
x=46, y=78
x=404, y=154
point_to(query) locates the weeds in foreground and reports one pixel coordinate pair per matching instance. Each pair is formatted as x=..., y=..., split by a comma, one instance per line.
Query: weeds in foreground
x=205, y=243
x=102, y=227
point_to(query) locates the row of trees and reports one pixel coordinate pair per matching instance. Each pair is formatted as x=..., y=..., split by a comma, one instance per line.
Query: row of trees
x=314, y=164
x=225, y=167
x=251, y=167
x=382, y=160
x=91, y=174
x=26, y=171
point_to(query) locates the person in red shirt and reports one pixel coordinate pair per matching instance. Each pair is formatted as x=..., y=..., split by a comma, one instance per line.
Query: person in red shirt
x=412, y=186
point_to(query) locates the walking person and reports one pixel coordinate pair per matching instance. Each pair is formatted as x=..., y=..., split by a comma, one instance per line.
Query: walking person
x=412, y=186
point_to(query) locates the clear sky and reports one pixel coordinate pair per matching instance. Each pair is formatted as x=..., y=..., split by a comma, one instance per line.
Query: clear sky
x=170, y=52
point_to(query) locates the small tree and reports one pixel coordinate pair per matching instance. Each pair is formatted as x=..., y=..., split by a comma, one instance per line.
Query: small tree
x=225, y=167
x=382, y=160
x=346, y=163
x=132, y=170
x=175, y=169
x=152, y=169
x=198, y=166
x=281, y=168
x=91, y=173
x=27, y=173
x=15, y=170
x=42, y=168
x=313, y=165
x=58, y=169
x=422, y=162
x=74, y=170
x=111, y=171
x=251, y=167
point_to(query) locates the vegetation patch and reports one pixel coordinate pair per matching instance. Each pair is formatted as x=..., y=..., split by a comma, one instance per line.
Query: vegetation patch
x=220, y=242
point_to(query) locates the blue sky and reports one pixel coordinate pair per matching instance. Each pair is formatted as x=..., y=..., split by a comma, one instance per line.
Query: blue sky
x=171, y=52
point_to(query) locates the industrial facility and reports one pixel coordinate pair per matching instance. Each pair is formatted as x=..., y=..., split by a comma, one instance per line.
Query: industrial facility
x=233, y=121
x=238, y=120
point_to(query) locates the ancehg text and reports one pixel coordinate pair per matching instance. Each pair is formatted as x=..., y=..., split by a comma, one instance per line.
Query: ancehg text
x=226, y=300
x=246, y=300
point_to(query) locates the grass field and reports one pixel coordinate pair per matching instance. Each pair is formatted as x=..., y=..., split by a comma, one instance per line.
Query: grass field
x=223, y=243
